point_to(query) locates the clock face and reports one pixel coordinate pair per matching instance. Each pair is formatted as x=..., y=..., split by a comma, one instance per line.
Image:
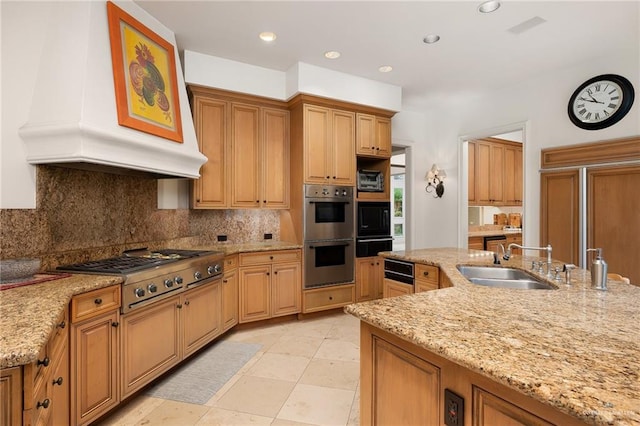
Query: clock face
x=601, y=101
x=598, y=101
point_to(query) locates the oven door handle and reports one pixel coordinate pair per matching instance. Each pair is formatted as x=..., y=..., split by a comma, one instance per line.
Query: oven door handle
x=332, y=202
x=329, y=245
x=374, y=240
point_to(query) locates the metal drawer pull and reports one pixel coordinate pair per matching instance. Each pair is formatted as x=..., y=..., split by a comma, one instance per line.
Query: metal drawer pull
x=98, y=301
x=43, y=404
x=57, y=381
x=44, y=362
x=63, y=324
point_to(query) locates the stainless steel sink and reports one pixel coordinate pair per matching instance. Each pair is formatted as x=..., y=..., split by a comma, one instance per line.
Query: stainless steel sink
x=503, y=277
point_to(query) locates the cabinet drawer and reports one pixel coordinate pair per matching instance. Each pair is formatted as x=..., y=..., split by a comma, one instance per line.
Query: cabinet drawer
x=93, y=303
x=260, y=258
x=427, y=273
x=329, y=297
x=230, y=262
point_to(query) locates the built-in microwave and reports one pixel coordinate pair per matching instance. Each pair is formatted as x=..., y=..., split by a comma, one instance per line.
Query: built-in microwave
x=370, y=181
x=373, y=219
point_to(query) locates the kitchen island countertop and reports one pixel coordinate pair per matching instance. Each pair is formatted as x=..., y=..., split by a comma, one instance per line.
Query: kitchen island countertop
x=576, y=349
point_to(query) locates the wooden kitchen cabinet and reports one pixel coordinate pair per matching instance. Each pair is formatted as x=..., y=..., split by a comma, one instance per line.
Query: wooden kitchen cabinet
x=476, y=243
x=514, y=239
x=146, y=352
x=403, y=383
x=331, y=297
x=427, y=277
x=259, y=157
x=513, y=175
x=392, y=288
x=94, y=367
x=11, y=396
x=495, y=173
x=270, y=284
x=329, y=146
x=369, y=274
x=201, y=316
x=560, y=213
x=397, y=387
x=210, y=117
x=230, y=293
x=373, y=136
x=246, y=141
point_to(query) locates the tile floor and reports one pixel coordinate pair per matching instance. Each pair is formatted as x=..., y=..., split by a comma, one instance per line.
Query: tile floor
x=307, y=373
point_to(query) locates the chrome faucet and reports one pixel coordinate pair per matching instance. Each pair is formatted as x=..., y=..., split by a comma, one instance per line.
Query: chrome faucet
x=507, y=254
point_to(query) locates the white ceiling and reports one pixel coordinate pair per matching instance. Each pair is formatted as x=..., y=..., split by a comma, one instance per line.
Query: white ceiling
x=476, y=53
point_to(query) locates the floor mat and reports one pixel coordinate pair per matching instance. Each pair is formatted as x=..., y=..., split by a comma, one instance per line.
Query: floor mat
x=203, y=375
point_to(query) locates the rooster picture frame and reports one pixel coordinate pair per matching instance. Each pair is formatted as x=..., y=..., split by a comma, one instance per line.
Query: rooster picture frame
x=144, y=75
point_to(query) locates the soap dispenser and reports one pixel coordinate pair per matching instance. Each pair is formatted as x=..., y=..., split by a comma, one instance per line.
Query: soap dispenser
x=598, y=270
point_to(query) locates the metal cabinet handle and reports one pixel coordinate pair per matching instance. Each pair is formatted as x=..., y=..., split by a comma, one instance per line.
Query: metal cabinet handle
x=187, y=303
x=44, y=362
x=43, y=404
x=179, y=306
x=98, y=301
x=63, y=324
x=57, y=381
x=425, y=273
x=115, y=324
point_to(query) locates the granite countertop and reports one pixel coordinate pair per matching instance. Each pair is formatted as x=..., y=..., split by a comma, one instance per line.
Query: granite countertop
x=574, y=348
x=233, y=248
x=29, y=314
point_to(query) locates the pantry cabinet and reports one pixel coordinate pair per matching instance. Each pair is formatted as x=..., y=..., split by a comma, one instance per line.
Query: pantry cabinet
x=373, y=136
x=495, y=173
x=369, y=274
x=246, y=141
x=270, y=284
x=329, y=146
x=591, y=189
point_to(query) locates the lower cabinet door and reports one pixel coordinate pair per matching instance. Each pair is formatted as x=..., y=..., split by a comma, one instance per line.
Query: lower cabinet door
x=202, y=317
x=150, y=343
x=286, y=283
x=413, y=379
x=255, y=293
x=229, y=299
x=489, y=409
x=395, y=288
x=94, y=362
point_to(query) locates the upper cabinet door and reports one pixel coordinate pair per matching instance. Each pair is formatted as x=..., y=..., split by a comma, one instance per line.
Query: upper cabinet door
x=275, y=158
x=343, y=157
x=373, y=136
x=317, y=143
x=245, y=155
x=210, y=118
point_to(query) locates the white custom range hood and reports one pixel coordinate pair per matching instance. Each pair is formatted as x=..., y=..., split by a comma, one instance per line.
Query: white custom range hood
x=73, y=119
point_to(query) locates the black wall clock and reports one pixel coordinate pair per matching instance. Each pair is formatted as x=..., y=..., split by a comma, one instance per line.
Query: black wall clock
x=601, y=102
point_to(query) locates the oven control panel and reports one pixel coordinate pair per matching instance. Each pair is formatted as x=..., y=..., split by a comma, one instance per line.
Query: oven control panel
x=328, y=191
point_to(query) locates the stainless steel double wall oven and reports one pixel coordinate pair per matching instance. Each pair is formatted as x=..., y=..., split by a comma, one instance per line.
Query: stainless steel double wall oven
x=329, y=243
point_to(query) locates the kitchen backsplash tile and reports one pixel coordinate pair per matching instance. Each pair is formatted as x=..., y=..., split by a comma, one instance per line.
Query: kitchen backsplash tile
x=83, y=215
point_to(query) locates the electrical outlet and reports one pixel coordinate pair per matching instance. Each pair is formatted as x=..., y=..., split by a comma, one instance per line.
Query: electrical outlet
x=222, y=238
x=268, y=236
x=453, y=409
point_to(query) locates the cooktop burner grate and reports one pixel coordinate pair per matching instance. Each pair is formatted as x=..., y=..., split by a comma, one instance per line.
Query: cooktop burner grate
x=116, y=265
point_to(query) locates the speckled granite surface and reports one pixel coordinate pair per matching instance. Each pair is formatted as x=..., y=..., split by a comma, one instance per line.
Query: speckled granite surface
x=29, y=314
x=574, y=348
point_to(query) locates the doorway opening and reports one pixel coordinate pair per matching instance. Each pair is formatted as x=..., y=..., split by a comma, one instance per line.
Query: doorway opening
x=399, y=198
x=492, y=183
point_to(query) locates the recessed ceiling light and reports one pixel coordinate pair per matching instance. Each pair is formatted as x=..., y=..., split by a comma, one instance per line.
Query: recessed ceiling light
x=385, y=68
x=431, y=38
x=268, y=36
x=489, y=6
x=332, y=54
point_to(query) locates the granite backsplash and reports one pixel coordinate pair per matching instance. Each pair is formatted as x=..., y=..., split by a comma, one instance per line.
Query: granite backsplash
x=84, y=215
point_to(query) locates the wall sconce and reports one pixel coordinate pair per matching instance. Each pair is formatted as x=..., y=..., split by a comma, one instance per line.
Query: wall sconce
x=435, y=178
